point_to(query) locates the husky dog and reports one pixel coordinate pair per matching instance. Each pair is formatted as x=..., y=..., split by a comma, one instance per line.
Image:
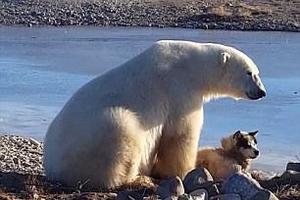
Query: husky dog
x=236, y=154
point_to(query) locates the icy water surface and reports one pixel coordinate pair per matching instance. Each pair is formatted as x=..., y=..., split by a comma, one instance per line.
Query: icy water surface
x=40, y=68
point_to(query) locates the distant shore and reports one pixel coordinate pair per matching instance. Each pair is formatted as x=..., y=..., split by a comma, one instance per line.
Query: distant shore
x=243, y=15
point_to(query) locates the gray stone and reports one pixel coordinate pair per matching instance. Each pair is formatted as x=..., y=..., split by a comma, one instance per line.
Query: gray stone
x=294, y=166
x=226, y=197
x=197, y=179
x=264, y=195
x=129, y=195
x=200, y=194
x=170, y=187
x=241, y=184
x=291, y=175
x=35, y=142
x=173, y=198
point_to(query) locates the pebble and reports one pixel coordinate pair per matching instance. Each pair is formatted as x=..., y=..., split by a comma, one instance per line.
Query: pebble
x=34, y=142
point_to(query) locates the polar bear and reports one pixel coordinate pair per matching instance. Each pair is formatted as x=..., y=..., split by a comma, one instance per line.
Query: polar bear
x=144, y=117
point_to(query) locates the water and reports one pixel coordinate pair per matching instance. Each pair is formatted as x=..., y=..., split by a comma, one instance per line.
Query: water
x=40, y=68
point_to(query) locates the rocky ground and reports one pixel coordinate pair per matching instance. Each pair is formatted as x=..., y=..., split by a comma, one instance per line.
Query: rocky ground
x=22, y=177
x=265, y=15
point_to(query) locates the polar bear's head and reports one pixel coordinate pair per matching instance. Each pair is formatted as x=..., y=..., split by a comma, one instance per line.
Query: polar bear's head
x=213, y=69
x=240, y=76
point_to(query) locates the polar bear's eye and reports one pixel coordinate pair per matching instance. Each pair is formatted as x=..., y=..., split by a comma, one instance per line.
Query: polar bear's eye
x=249, y=73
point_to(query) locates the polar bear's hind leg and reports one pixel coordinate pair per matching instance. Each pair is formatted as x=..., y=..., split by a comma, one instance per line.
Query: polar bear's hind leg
x=118, y=152
x=124, y=147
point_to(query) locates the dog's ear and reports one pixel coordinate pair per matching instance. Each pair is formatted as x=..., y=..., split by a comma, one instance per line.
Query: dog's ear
x=227, y=143
x=237, y=134
x=253, y=133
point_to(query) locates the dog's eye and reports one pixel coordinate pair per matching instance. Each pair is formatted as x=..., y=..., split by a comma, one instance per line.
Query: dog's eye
x=249, y=73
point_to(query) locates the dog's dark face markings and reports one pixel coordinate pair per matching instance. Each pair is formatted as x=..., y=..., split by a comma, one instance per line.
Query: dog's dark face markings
x=246, y=144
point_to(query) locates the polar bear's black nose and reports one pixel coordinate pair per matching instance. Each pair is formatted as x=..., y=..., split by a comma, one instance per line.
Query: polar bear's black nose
x=262, y=93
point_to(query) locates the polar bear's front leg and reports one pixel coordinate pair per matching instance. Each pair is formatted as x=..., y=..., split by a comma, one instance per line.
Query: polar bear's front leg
x=178, y=146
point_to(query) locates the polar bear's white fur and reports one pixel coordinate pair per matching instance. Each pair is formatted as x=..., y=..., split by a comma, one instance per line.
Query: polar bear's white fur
x=145, y=116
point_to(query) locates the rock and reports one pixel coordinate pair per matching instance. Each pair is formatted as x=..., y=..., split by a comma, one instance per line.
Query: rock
x=290, y=174
x=200, y=178
x=246, y=187
x=200, y=194
x=226, y=197
x=264, y=195
x=33, y=141
x=170, y=187
x=262, y=175
x=35, y=196
x=129, y=195
x=197, y=177
x=190, y=197
x=241, y=184
x=2, y=157
x=171, y=198
x=213, y=190
x=294, y=166
x=16, y=160
x=288, y=177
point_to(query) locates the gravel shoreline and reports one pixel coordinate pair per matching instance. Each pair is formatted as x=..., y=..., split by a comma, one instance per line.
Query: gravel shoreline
x=244, y=15
x=21, y=155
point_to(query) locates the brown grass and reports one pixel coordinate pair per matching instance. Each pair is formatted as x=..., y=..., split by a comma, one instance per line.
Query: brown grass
x=288, y=192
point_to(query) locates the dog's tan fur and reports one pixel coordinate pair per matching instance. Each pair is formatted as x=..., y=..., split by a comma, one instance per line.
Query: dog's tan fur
x=225, y=160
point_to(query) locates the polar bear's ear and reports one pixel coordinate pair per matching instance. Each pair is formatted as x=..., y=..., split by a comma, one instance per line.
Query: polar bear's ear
x=225, y=57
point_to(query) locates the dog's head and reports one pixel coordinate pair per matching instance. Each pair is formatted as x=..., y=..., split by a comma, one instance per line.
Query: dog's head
x=244, y=143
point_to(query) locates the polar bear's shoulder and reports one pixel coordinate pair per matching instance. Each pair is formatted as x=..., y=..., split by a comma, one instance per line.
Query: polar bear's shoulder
x=175, y=46
x=167, y=43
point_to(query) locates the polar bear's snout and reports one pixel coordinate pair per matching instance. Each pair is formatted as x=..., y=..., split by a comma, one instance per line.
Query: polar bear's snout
x=257, y=89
